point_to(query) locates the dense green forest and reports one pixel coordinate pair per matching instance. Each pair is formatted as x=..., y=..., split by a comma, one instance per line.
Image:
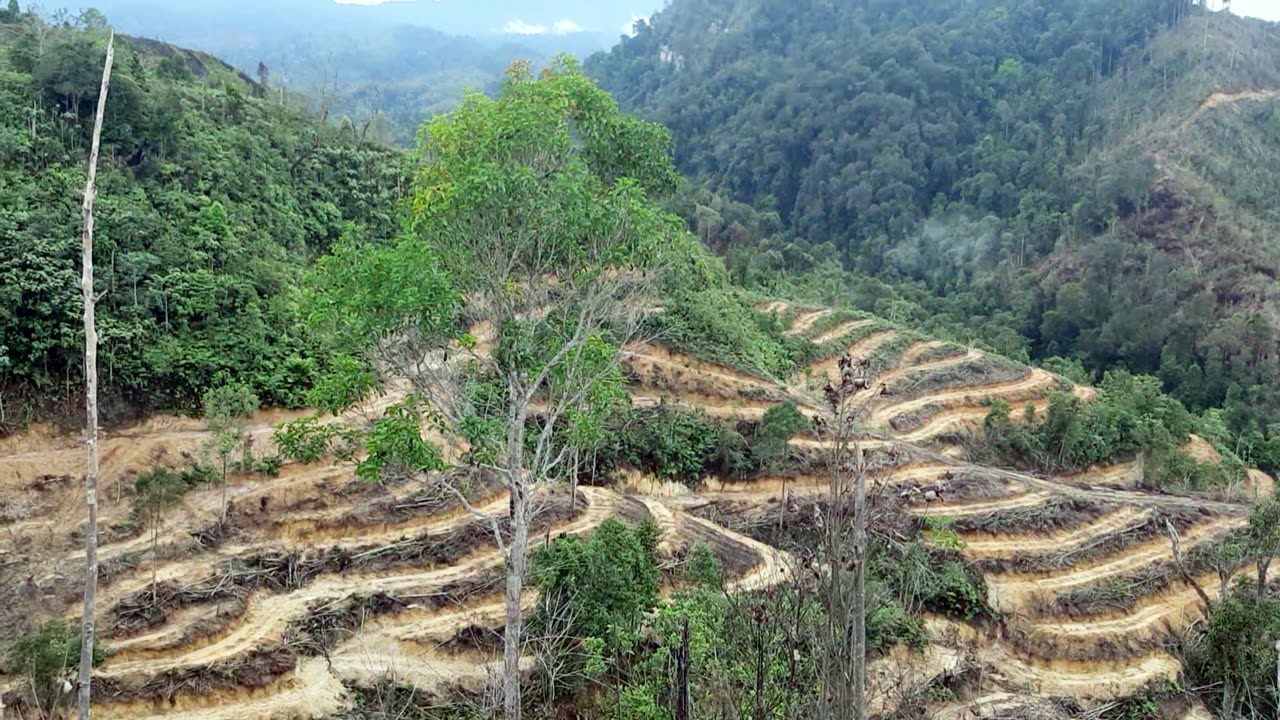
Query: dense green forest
x=1035, y=177
x=212, y=197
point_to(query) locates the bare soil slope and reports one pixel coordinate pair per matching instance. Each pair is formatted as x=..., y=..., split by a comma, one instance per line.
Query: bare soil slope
x=321, y=583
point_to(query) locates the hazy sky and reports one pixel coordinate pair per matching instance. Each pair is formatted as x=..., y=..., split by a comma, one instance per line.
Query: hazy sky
x=1265, y=9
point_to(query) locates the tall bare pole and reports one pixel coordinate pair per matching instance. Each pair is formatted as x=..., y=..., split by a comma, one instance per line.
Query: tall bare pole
x=91, y=397
x=844, y=644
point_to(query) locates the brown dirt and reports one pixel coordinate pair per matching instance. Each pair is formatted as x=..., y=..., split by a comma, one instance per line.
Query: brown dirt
x=1032, y=652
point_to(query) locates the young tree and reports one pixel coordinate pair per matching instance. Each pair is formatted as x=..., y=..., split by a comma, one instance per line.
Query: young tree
x=91, y=397
x=1264, y=539
x=158, y=491
x=226, y=409
x=531, y=218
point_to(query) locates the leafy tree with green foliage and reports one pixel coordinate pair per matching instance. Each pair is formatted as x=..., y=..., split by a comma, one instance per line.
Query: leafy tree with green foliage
x=227, y=409
x=158, y=491
x=1264, y=538
x=593, y=595
x=46, y=661
x=1131, y=415
x=770, y=445
x=1237, y=652
x=531, y=219
x=396, y=447
x=211, y=203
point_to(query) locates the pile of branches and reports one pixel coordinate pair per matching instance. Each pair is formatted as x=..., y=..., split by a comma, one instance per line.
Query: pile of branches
x=969, y=373
x=1144, y=531
x=1125, y=592
x=280, y=572
x=1056, y=514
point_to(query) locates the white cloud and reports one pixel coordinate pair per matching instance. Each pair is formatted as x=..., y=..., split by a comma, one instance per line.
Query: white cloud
x=520, y=27
x=630, y=28
x=559, y=27
x=567, y=26
x=1265, y=9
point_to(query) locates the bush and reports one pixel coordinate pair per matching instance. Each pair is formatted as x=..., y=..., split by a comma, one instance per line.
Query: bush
x=47, y=659
x=1236, y=652
x=888, y=624
x=769, y=446
x=953, y=591
x=595, y=587
x=1173, y=469
x=396, y=446
x=672, y=443
x=304, y=440
x=1130, y=415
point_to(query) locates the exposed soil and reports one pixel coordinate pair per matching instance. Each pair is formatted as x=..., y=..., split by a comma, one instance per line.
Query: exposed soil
x=317, y=581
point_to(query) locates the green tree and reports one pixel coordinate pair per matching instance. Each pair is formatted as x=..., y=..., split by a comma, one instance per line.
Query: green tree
x=158, y=491
x=593, y=593
x=227, y=409
x=531, y=219
x=770, y=445
x=1264, y=539
x=1237, y=652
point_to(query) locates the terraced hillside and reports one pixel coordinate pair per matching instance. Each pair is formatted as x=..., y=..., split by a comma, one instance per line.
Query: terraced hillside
x=320, y=583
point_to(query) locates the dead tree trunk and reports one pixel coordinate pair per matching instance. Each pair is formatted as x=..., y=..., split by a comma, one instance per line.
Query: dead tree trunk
x=91, y=398
x=859, y=586
x=1178, y=560
x=517, y=553
x=844, y=645
x=682, y=673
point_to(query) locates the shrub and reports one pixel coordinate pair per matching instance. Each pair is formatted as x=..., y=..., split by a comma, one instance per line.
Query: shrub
x=951, y=590
x=595, y=586
x=1236, y=652
x=304, y=440
x=667, y=441
x=1130, y=415
x=47, y=659
x=396, y=446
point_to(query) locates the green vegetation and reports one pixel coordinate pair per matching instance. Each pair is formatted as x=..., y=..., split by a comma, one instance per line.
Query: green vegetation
x=683, y=445
x=46, y=661
x=594, y=595
x=1131, y=417
x=989, y=174
x=211, y=200
x=1237, y=652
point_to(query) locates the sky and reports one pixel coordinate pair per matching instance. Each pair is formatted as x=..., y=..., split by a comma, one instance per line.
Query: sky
x=1265, y=9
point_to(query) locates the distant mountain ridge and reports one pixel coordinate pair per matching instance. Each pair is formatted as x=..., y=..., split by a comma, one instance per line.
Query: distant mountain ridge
x=1077, y=179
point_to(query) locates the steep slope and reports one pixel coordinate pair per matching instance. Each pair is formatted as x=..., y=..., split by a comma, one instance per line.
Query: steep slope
x=212, y=198
x=400, y=576
x=1078, y=179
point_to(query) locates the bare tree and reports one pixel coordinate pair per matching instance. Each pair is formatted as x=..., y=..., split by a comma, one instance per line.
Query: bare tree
x=91, y=397
x=844, y=645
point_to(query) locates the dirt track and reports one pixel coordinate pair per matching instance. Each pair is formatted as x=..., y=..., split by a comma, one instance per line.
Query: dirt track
x=312, y=514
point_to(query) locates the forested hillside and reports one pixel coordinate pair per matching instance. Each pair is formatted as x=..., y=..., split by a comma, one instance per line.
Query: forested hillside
x=551, y=452
x=1085, y=179
x=211, y=196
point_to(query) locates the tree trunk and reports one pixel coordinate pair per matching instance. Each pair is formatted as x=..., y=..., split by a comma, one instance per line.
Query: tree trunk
x=91, y=400
x=682, y=673
x=517, y=551
x=859, y=690
x=1264, y=563
x=155, y=565
x=224, y=490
